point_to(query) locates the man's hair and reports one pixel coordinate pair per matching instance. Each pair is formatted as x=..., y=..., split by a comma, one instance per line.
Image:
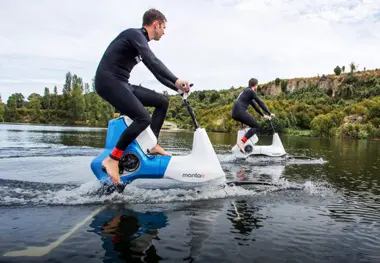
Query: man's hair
x=252, y=82
x=151, y=15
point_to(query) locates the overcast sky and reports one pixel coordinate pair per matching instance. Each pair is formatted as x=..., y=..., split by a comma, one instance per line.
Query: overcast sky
x=214, y=43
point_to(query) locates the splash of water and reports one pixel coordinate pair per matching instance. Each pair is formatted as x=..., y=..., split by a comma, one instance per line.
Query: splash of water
x=88, y=193
x=265, y=160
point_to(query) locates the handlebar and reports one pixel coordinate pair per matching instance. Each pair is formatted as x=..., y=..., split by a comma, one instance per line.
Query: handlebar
x=184, y=94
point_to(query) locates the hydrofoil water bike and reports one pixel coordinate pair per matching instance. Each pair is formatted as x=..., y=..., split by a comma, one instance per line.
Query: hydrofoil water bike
x=199, y=167
x=276, y=149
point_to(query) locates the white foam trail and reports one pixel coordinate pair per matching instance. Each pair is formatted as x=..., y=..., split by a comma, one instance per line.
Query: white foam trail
x=230, y=158
x=226, y=158
x=305, y=161
x=87, y=193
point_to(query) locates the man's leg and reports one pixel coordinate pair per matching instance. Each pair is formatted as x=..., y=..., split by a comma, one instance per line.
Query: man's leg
x=247, y=119
x=150, y=98
x=119, y=95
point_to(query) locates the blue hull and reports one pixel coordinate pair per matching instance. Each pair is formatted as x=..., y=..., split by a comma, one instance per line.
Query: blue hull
x=149, y=166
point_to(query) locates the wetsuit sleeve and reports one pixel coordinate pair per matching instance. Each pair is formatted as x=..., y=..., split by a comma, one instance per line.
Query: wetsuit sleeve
x=159, y=70
x=166, y=82
x=256, y=107
x=260, y=102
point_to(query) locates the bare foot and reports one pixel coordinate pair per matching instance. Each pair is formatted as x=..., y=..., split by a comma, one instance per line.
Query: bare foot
x=241, y=146
x=112, y=169
x=157, y=149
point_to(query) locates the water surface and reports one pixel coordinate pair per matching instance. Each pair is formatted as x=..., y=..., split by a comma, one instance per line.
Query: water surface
x=325, y=208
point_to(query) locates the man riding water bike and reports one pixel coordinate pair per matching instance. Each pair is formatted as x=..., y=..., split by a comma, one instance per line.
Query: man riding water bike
x=239, y=111
x=112, y=84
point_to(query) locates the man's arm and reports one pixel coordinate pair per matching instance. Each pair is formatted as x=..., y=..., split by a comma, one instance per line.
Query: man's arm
x=257, y=109
x=159, y=70
x=166, y=82
x=261, y=103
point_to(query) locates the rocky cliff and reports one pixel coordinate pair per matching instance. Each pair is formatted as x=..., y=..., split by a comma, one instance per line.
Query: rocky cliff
x=328, y=83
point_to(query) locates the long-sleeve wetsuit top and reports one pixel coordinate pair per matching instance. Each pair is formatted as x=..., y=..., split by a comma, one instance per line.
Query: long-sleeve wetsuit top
x=249, y=97
x=129, y=48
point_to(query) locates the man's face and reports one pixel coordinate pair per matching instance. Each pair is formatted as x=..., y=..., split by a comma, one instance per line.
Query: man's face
x=159, y=30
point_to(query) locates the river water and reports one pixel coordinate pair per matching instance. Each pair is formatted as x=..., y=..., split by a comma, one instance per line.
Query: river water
x=324, y=206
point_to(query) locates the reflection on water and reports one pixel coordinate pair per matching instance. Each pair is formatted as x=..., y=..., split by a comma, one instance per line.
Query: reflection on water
x=244, y=219
x=128, y=235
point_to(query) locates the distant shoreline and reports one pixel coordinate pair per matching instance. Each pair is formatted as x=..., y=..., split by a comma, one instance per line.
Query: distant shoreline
x=165, y=129
x=77, y=125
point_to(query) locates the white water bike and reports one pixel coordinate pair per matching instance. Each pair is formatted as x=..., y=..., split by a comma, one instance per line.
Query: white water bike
x=199, y=167
x=276, y=149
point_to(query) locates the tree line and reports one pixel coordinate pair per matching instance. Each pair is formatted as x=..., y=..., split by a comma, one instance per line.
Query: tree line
x=353, y=111
x=350, y=111
x=78, y=104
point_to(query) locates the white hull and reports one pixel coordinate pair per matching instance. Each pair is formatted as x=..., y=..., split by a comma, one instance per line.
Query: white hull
x=274, y=150
x=201, y=165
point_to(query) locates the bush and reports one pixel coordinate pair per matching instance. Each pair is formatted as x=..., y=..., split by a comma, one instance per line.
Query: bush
x=323, y=125
x=284, y=84
x=337, y=70
x=376, y=122
x=356, y=131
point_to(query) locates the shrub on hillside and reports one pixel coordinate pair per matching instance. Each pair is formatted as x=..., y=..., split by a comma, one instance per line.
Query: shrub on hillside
x=323, y=125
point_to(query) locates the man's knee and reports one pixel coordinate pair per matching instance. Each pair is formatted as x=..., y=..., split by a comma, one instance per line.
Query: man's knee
x=144, y=122
x=164, y=102
x=234, y=116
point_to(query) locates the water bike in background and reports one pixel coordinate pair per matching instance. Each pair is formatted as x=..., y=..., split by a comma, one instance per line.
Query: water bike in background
x=198, y=167
x=276, y=149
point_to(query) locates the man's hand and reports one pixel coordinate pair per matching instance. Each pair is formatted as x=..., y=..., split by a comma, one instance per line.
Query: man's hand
x=182, y=85
x=266, y=116
x=269, y=117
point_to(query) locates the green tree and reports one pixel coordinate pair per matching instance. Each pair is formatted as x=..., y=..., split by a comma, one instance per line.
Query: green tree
x=337, y=70
x=214, y=96
x=77, y=105
x=323, y=125
x=106, y=111
x=35, y=106
x=20, y=102
x=352, y=67
x=77, y=82
x=55, y=100
x=86, y=101
x=55, y=103
x=345, y=91
x=11, y=113
x=67, y=86
x=284, y=85
x=2, y=110
x=202, y=96
x=66, y=92
x=46, y=103
x=86, y=88
x=46, y=100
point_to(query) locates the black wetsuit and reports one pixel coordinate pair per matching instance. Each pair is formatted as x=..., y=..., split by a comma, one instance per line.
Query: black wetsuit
x=112, y=84
x=239, y=111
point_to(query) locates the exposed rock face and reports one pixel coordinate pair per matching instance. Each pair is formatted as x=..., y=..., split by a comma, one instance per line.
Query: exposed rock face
x=329, y=83
x=353, y=119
